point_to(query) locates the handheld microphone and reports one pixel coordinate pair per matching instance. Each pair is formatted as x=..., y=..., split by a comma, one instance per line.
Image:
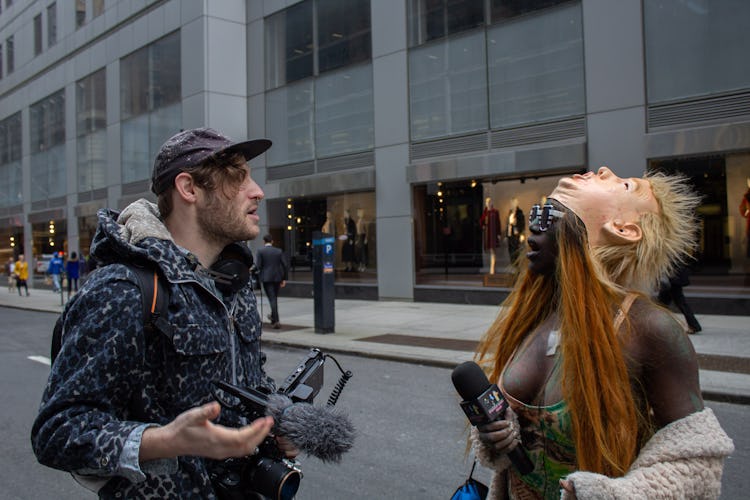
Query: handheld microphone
x=484, y=403
x=323, y=432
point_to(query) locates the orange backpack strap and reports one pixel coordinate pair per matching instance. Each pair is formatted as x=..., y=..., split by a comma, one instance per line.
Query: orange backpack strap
x=624, y=308
x=155, y=298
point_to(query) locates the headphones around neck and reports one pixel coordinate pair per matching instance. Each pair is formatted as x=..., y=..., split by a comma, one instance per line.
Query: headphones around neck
x=231, y=271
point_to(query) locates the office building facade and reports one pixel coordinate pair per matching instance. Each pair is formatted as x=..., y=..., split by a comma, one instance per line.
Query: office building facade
x=396, y=124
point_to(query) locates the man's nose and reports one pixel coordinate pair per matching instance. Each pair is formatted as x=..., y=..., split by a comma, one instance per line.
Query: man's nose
x=257, y=192
x=604, y=172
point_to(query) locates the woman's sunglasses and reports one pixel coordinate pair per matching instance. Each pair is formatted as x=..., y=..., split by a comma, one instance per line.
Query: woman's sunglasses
x=543, y=216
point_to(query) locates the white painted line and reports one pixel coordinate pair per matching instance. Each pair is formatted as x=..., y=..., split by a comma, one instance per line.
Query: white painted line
x=40, y=359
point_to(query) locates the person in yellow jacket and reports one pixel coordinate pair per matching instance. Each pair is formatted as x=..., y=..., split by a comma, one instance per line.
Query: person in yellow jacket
x=22, y=274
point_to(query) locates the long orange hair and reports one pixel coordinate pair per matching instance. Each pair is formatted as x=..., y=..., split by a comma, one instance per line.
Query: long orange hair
x=595, y=382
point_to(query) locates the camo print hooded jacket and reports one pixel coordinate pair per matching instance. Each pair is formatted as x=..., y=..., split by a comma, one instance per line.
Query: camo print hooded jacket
x=111, y=380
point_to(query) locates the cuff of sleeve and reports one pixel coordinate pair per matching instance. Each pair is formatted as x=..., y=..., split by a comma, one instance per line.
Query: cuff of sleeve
x=592, y=485
x=129, y=465
x=486, y=456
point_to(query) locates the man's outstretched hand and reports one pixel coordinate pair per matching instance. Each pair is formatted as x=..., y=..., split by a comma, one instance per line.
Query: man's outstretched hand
x=193, y=433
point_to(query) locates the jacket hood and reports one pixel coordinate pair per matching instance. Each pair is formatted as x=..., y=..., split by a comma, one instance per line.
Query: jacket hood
x=137, y=234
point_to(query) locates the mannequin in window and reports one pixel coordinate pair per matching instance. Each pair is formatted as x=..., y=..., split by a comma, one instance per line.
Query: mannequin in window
x=349, y=237
x=360, y=245
x=490, y=222
x=745, y=212
x=327, y=226
x=516, y=226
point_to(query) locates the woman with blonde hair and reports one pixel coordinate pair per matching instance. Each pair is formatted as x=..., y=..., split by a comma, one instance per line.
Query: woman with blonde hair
x=602, y=383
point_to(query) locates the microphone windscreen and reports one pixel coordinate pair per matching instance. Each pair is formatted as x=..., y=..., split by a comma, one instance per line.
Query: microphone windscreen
x=469, y=380
x=323, y=432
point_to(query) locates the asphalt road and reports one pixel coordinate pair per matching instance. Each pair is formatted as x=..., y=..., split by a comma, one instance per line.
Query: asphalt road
x=411, y=433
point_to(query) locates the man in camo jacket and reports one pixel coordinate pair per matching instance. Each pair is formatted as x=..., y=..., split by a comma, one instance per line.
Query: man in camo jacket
x=131, y=413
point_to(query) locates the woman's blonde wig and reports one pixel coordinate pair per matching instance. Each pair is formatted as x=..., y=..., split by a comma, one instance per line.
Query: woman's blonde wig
x=669, y=237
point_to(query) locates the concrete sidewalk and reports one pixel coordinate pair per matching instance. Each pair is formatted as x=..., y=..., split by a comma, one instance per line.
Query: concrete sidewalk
x=446, y=334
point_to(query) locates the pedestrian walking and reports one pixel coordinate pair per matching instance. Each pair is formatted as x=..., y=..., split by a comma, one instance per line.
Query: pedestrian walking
x=670, y=289
x=273, y=270
x=54, y=269
x=72, y=270
x=10, y=267
x=22, y=274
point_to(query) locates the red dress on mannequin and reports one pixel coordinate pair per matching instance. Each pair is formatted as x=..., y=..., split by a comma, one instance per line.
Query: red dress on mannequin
x=490, y=222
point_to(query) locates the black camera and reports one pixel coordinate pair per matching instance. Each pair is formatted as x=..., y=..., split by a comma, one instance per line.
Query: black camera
x=268, y=472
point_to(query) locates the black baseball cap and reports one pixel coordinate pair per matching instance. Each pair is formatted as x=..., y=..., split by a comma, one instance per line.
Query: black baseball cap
x=192, y=147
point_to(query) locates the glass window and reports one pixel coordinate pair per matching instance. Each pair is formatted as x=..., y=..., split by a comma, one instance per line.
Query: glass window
x=47, y=141
x=344, y=111
x=289, y=45
x=433, y=19
x=48, y=122
x=10, y=161
x=289, y=123
x=150, y=104
x=47, y=238
x=350, y=218
x=501, y=10
x=343, y=38
x=97, y=8
x=330, y=114
x=9, y=54
x=448, y=87
x=136, y=160
x=456, y=231
x=163, y=123
x=695, y=48
x=721, y=182
x=52, y=24
x=91, y=125
x=91, y=103
x=134, y=76
x=37, y=34
x=536, y=67
x=343, y=33
x=91, y=152
x=80, y=13
x=165, y=71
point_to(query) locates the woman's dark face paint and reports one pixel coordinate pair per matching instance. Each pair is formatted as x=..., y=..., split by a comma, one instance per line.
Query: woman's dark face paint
x=542, y=245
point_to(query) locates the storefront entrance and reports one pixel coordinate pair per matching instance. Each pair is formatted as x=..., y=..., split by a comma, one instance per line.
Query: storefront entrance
x=723, y=181
x=470, y=232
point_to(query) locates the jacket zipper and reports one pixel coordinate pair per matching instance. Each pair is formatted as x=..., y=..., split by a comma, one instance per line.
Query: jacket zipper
x=232, y=324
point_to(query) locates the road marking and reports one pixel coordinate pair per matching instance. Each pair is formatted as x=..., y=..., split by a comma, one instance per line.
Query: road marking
x=40, y=359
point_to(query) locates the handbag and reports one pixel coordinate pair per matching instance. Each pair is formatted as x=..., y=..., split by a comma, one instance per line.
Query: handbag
x=471, y=489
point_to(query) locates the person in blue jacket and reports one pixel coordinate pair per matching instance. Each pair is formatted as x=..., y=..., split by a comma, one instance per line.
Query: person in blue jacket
x=72, y=270
x=55, y=269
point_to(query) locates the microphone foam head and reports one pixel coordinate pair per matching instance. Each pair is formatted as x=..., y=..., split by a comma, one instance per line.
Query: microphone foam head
x=323, y=432
x=469, y=380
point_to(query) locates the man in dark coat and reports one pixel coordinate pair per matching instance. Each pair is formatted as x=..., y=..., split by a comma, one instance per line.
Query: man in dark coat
x=131, y=412
x=670, y=289
x=273, y=270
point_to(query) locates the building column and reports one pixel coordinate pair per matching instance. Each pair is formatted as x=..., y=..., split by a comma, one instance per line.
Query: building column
x=395, y=231
x=615, y=85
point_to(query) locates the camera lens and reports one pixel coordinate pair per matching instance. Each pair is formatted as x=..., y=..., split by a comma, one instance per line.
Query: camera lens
x=274, y=479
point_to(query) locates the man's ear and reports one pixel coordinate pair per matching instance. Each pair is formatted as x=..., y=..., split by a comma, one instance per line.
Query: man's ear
x=185, y=187
x=622, y=233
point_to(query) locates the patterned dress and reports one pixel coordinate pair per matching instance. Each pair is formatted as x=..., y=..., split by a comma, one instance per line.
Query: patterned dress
x=547, y=437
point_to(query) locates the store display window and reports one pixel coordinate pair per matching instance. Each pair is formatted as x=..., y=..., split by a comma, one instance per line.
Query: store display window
x=349, y=218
